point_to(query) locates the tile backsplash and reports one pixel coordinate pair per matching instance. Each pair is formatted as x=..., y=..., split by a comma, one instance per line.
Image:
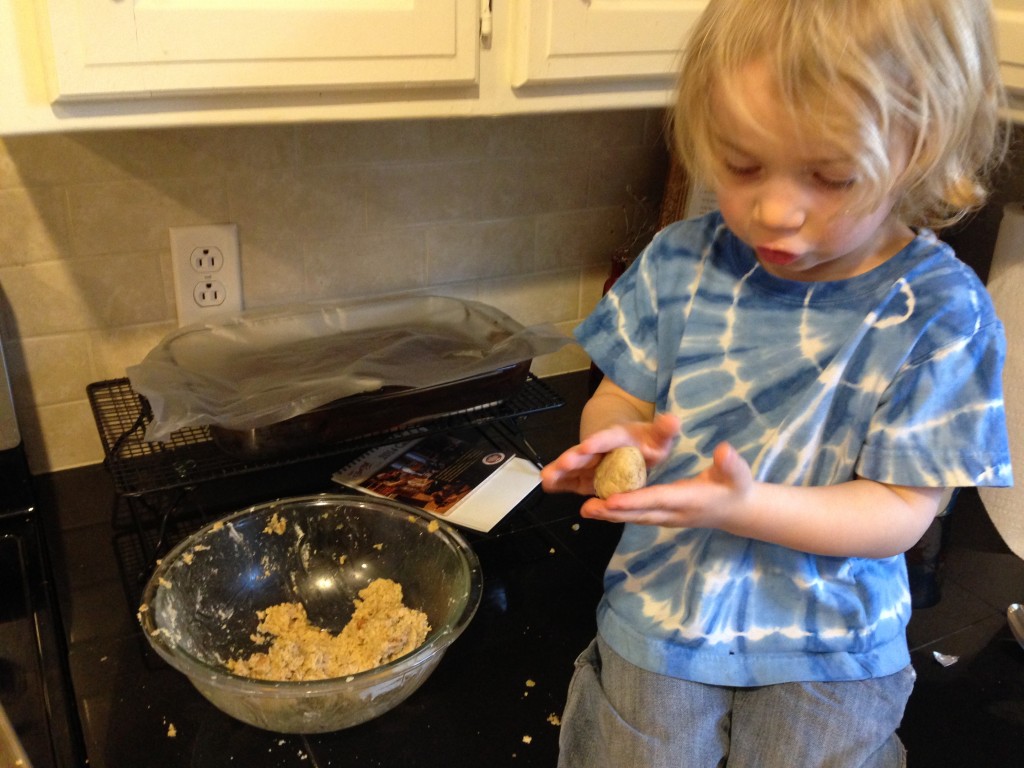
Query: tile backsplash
x=519, y=212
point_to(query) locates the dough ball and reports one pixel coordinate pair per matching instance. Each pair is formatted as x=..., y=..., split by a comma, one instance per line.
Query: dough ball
x=621, y=470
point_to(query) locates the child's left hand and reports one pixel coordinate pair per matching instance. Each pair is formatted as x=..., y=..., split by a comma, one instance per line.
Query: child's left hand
x=704, y=501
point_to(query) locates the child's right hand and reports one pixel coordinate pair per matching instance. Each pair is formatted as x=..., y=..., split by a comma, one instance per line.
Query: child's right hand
x=573, y=471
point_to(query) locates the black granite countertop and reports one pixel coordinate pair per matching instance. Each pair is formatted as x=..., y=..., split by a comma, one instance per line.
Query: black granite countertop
x=494, y=700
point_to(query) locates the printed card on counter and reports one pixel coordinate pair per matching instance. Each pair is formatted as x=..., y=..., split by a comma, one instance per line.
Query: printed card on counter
x=463, y=482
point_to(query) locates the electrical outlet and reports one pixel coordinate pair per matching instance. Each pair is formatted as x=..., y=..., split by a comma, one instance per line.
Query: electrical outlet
x=210, y=294
x=207, y=272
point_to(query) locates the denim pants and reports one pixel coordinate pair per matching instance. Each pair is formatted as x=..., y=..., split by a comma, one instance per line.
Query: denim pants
x=620, y=716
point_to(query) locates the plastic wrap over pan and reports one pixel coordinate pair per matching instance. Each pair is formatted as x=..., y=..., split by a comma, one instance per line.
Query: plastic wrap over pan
x=294, y=377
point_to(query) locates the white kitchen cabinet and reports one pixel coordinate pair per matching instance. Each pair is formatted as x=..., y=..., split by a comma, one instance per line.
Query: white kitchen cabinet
x=142, y=48
x=1010, y=27
x=600, y=40
x=96, y=64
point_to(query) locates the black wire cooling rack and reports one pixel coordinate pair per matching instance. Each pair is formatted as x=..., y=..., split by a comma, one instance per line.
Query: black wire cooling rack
x=190, y=456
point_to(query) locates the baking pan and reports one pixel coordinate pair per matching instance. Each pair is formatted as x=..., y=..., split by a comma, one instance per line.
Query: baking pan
x=298, y=377
x=370, y=413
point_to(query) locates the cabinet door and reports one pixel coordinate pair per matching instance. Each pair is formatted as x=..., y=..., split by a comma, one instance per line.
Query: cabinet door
x=1010, y=28
x=599, y=40
x=105, y=48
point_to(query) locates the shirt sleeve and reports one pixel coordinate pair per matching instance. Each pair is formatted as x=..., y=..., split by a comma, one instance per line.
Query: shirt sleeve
x=620, y=335
x=942, y=421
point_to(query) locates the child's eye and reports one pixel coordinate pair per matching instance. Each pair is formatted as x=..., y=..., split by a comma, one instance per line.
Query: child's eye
x=838, y=183
x=742, y=170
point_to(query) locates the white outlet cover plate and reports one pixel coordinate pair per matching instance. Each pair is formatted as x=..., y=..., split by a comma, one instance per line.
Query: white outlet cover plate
x=226, y=276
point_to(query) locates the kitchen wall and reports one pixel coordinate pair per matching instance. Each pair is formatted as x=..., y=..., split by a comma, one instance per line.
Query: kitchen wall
x=519, y=212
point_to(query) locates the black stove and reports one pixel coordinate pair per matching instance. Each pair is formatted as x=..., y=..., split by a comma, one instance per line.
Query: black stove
x=35, y=688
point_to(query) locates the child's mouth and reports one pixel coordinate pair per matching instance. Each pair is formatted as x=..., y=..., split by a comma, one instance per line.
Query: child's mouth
x=776, y=257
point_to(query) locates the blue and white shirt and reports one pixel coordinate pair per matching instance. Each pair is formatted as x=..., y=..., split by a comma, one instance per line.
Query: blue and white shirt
x=893, y=375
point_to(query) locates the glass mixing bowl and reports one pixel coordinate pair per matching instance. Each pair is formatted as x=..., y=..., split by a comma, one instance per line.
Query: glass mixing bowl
x=199, y=607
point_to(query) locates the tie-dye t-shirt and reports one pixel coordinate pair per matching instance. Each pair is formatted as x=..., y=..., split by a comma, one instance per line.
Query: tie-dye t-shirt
x=893, y=375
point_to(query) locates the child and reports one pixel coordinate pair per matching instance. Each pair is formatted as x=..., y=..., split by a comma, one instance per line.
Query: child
x=805, y=372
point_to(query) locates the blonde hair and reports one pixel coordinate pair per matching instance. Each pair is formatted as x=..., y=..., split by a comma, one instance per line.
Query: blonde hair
x=915, y=79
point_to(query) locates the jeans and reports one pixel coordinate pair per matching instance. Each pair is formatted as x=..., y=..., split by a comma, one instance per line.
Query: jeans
x=620, y=716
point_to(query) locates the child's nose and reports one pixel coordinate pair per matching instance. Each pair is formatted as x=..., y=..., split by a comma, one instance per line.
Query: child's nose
x=780, y=205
